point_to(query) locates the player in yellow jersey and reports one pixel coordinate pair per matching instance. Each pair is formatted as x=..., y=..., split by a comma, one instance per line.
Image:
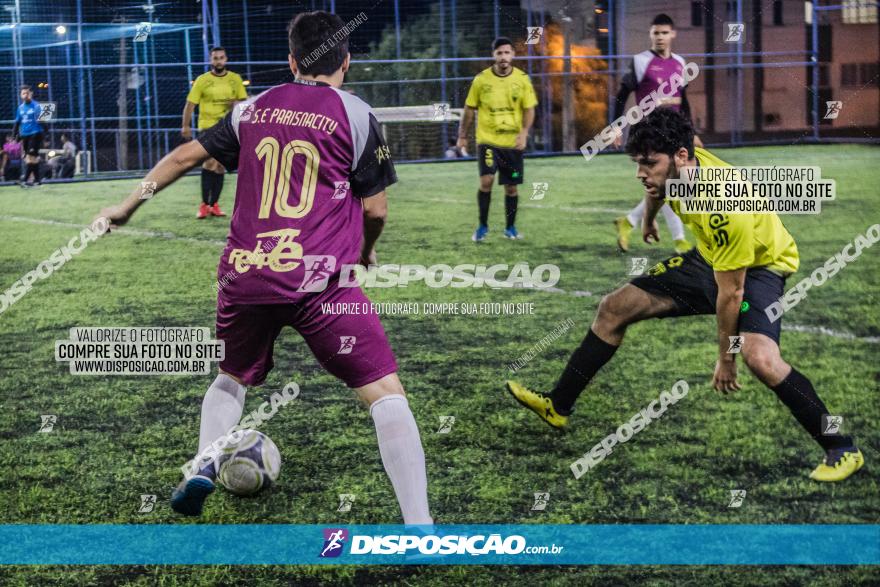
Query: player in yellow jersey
x=504, y=100
x=736, y=271
x=215, y=93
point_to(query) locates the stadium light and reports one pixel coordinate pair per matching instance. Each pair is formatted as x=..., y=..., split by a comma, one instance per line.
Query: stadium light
x=61, y=29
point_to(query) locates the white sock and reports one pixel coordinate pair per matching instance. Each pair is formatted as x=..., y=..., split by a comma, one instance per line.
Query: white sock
x=403, y=457
x=221, y=409
x=673, y=222
x=635, y=215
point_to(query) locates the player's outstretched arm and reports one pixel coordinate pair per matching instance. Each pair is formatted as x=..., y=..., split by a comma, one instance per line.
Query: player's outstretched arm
x=650, y=231
x=167, y=171
x=523, y=136
x=731, y=289
x=186, y=125
x=466, y=119
x=375, y=212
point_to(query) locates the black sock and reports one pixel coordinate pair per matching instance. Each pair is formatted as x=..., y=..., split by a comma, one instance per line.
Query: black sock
x=483, y=199
x=799, y=396
x=32, y=168
x=206, y=186
x=584, y=363
x=510, y=203
x=216, y=187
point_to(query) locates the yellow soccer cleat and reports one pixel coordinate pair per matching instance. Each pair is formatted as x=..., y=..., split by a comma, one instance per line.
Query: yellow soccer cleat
x=623, y=229
x=538, y=403
x=838, y=465
x=683, y=246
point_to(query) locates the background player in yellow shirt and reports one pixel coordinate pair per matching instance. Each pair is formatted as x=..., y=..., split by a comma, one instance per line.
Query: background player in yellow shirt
x=215, y=93
x=736, y=271
x=505, y=101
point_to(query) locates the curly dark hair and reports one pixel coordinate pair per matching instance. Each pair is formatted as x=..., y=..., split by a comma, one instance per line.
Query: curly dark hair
x=663, y=131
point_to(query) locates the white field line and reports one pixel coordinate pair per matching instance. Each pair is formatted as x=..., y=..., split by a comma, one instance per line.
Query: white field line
x=820, y=330
x=524, y=204
x=129, y=231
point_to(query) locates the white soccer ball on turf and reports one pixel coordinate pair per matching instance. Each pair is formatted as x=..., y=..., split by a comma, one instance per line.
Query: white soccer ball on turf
x=249, y=465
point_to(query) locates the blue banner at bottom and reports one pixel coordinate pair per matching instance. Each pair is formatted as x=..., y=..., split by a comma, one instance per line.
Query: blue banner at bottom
x=279, y=544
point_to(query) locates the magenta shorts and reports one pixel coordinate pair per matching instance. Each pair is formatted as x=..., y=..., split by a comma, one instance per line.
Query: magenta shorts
x=348, y=341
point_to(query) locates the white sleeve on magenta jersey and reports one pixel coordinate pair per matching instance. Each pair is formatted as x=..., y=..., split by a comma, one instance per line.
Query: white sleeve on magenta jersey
x=371, y=169
x=640, y=64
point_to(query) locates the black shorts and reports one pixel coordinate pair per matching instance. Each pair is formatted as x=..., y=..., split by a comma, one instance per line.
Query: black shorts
x=690, y=282
x=507, y=162
x=31, y=144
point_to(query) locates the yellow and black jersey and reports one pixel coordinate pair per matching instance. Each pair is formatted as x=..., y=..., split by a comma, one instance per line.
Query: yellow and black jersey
x=500, y=103
x=214, y=95
x=736, y=241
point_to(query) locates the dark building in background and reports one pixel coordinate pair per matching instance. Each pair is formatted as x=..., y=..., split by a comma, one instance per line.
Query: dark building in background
x=772, y=99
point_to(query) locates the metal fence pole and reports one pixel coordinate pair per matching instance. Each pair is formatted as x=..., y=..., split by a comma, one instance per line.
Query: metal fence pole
x=206, y=55
x=82, y=83
x=49, y=74
x=215, y=23
x=612, y=62
x=247, y=37
x=92, y=111
x=137, y=103
x=739, y=80
x=397, y=48
x=189, y=67
x=148, y=99
x=815, y=58
x=443, y=125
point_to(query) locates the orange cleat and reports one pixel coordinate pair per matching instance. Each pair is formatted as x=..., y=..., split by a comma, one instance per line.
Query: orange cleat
x=203, y=211
x=216, y=211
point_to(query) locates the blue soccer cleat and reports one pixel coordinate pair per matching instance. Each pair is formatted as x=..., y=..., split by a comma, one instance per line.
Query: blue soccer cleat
x=512, y=233
x=480, y=233
x=189, y=497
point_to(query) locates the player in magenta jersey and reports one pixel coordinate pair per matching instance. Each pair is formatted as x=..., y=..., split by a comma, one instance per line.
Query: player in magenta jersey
x=312, y=172
x=647, y=72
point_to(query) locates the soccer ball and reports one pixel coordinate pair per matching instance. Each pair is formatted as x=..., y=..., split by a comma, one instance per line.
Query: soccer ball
x=250, y=464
